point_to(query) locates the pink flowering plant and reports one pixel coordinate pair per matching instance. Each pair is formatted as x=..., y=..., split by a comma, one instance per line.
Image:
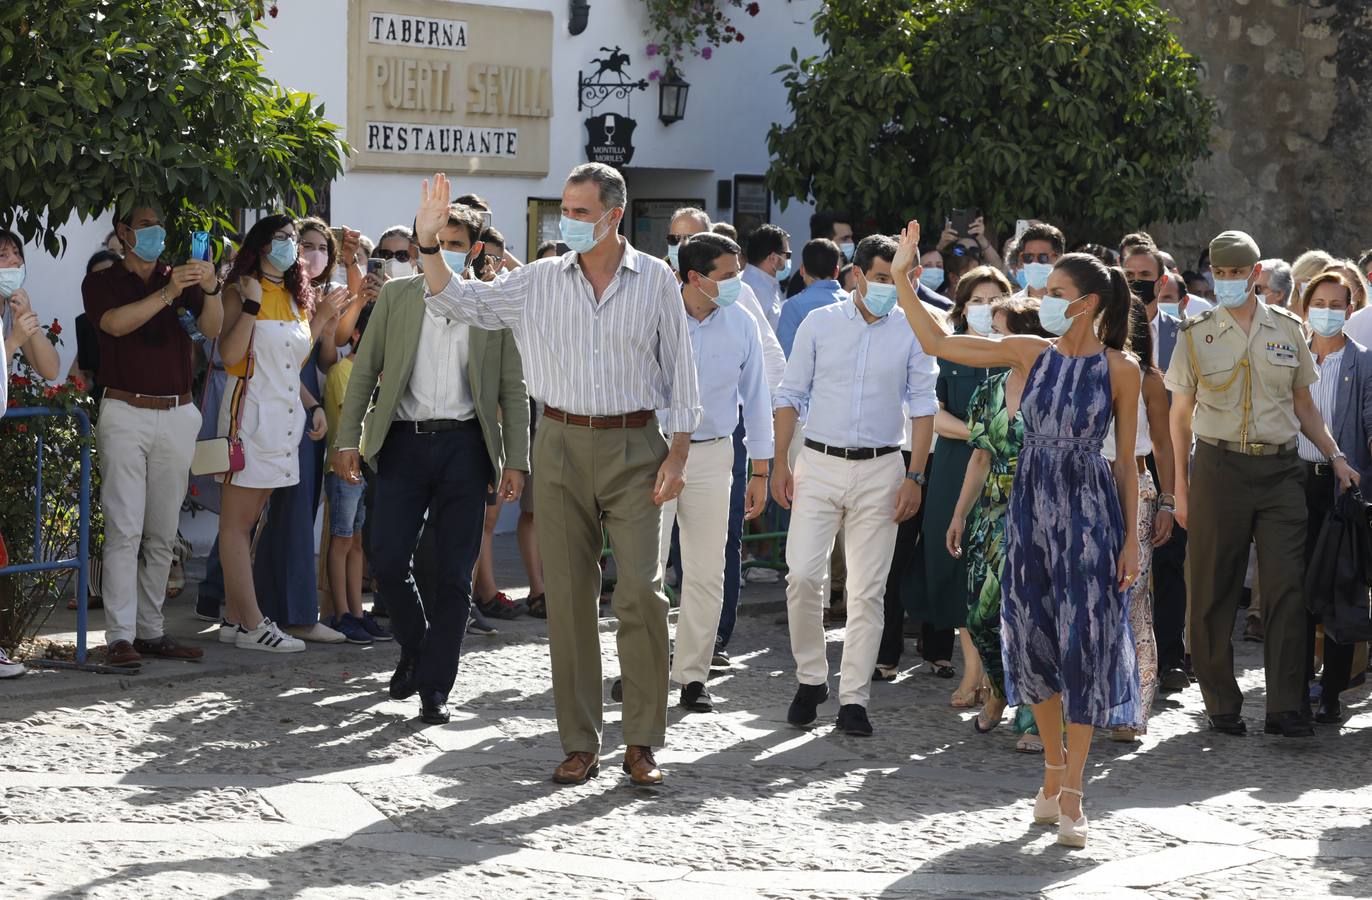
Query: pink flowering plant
x=681, y=28
x=27, y=600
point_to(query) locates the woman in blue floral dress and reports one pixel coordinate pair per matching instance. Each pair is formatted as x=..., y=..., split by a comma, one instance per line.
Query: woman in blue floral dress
x=1072, y=545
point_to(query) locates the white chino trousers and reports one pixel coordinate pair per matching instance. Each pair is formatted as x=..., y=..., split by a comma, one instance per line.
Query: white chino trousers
x=858, y=497
x=702, y=512
x=145, y=459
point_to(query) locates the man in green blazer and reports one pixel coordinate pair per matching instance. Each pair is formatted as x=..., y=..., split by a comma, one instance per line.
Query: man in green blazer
x=451, y=412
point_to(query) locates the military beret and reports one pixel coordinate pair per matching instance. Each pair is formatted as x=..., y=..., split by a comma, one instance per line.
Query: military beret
x=1234, y=249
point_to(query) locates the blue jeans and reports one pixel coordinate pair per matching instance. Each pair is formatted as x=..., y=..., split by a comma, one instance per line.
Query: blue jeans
x=347, y=513
x=733, y=543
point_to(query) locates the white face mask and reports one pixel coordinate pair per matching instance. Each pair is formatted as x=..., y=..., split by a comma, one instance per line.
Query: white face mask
x=397, y=269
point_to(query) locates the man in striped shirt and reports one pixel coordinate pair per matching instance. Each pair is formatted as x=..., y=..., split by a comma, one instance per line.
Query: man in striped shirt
x=602, y=332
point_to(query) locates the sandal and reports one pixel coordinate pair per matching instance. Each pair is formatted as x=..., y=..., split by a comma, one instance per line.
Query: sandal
x=538, y=607
x=978, y=697
x=885, y=673
x=942, y=671
x=176, y=580
x=1124, y=734
x=1029, y=743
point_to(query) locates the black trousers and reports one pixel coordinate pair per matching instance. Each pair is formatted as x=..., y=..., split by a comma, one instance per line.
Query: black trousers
x=1338, y=658
x=437, y=483
x=1169, y=594
x=907, y=545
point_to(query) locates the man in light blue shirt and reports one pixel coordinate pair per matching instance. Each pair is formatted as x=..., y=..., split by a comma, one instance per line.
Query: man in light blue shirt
x=819, y=262
x=769, y=264
x=857, y=377
x=727, y=347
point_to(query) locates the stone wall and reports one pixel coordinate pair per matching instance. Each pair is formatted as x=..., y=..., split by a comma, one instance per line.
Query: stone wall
x=1291, y=147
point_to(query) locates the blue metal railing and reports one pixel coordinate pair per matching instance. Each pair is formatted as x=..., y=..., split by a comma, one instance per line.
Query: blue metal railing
x=80, y=562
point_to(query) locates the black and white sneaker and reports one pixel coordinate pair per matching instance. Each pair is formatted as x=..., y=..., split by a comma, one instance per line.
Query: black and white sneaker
x=228, y=632
x=720, y=661
x=267, y=637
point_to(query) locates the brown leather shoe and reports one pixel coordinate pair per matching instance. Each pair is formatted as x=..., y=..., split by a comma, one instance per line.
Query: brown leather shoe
x=576, y=768
x=166, y=647
x=121, y=653
x=642, y=768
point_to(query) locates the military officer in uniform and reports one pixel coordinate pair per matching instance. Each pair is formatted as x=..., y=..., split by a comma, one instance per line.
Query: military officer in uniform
x=1240, y=378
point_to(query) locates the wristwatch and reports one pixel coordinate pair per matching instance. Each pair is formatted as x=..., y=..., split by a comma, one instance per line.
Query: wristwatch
x=429, y=251
x=1339, y=454
x=218, y=287
x=918, y=478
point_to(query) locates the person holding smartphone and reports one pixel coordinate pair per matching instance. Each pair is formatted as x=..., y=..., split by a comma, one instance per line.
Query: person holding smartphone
x=965, y=229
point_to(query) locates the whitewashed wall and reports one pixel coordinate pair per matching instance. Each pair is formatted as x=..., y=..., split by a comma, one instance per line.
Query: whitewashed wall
x=734, y=99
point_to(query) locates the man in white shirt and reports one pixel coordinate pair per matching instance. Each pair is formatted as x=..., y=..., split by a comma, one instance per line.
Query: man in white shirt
x=728, y=354
x=769, y=263
x=859, y=375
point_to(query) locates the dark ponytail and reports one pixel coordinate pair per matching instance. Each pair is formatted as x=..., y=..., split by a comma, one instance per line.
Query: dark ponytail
x=1091, y=276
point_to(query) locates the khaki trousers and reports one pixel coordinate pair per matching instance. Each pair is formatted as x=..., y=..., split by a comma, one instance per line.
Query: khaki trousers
x=1237, y=499
x=589, y=477
x=145, y=457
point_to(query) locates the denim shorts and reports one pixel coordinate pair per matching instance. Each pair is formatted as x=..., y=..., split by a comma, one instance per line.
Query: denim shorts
x=347, y=512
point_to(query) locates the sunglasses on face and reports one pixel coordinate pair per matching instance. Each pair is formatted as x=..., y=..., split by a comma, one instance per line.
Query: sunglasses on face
x=1027, y=258
x=402, y=255
x=674, y=239
x=965, y=250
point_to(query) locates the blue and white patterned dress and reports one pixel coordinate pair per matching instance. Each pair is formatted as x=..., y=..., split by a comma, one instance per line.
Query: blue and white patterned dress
x=1064, y=625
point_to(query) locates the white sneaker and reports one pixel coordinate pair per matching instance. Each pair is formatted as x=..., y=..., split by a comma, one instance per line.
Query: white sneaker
x=266, y=636
x=9, y=668
x=318, y=632
x=759, y=575
x=228, y=633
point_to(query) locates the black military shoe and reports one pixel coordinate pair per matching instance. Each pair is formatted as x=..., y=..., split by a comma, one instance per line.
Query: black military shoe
x=402, y=682
x=1288, y=724
x=433, y=709
x=1229, y=723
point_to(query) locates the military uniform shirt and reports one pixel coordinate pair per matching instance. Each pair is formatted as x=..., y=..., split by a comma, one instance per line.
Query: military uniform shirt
x=1279, y=362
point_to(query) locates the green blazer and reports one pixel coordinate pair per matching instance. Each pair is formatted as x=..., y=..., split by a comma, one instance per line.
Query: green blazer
x=388, y=349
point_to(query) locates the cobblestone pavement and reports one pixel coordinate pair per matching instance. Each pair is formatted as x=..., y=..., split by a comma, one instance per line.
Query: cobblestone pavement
x=301, y=778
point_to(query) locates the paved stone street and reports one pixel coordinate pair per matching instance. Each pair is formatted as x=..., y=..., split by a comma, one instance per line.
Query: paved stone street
x=297, y=776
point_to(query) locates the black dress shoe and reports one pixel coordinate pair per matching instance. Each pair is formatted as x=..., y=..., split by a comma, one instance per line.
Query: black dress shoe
x=1229, y=723
x=1173, y=680
x=1289, y=724
x=696, y=698
x=805, y=707
x=402, y=682
x=1330, y=713
x=852, y=719
x=433, y=709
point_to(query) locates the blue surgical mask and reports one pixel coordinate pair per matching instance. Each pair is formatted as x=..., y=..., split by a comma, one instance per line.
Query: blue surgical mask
x=674, y=256
x=931, y=278
x=728, y=291
x=784, y=272
x=1171, y=309
x=579, y=235
x=847, y=249
x=979, y=319
x=1053, y=314
x=1036, y=275
x=283, y=253
x=1231, y=292
x=1018, y=276
x=1327, y=322
x=11, y=280
x=880, y=299
x=456, y=259
x=148, y=242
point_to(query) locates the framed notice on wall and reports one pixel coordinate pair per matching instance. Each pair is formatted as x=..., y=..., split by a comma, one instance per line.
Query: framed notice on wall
x=752, y=203
x=439, y=86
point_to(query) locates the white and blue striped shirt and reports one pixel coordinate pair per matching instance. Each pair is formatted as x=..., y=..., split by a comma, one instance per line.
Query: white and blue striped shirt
x=1325, y=394
x=629, y=352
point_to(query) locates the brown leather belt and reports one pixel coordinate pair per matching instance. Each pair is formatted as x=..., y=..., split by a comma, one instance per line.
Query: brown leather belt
x=147, y=401
x=1252, y=448
x=628, y=420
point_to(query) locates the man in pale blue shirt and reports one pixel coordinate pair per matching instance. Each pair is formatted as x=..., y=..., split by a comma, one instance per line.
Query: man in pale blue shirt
x=727, y=347
x=769, y=263
x=856, y=377
x=819, y=262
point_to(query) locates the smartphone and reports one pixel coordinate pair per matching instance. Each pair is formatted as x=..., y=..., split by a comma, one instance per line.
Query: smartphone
x=962, y=219
x=375, y=266
x=200, y=245
x=1021, y=226
x=486, y=220
x=337, y=237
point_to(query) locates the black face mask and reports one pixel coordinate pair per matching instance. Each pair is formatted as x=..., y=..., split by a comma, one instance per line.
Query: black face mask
x=1146, y=291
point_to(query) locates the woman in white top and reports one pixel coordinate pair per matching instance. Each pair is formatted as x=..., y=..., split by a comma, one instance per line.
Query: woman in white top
x=22, y=331
x=1155, y=514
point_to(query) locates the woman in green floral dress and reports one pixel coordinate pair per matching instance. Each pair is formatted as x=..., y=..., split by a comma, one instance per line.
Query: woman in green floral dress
x=997, y=434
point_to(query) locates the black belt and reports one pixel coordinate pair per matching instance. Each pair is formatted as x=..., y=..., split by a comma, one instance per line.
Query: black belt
x=850, y=452
x=432, y=426
x=707, y=440
x=1320, y=469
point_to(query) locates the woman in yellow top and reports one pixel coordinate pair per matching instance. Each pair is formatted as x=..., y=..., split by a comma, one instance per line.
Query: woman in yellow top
x=273, y=316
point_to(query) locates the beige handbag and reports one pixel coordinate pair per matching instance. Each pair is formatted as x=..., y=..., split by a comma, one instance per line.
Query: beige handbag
x=222, y=455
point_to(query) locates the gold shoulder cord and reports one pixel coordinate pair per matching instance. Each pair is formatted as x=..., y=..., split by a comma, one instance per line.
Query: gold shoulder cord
x=1247, y=385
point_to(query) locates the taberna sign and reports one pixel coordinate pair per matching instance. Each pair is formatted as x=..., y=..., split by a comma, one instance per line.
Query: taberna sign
x=440, y=85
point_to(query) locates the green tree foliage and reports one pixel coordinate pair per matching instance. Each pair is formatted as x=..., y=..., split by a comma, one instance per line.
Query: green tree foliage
x=1083, y=112
x=113, y=102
